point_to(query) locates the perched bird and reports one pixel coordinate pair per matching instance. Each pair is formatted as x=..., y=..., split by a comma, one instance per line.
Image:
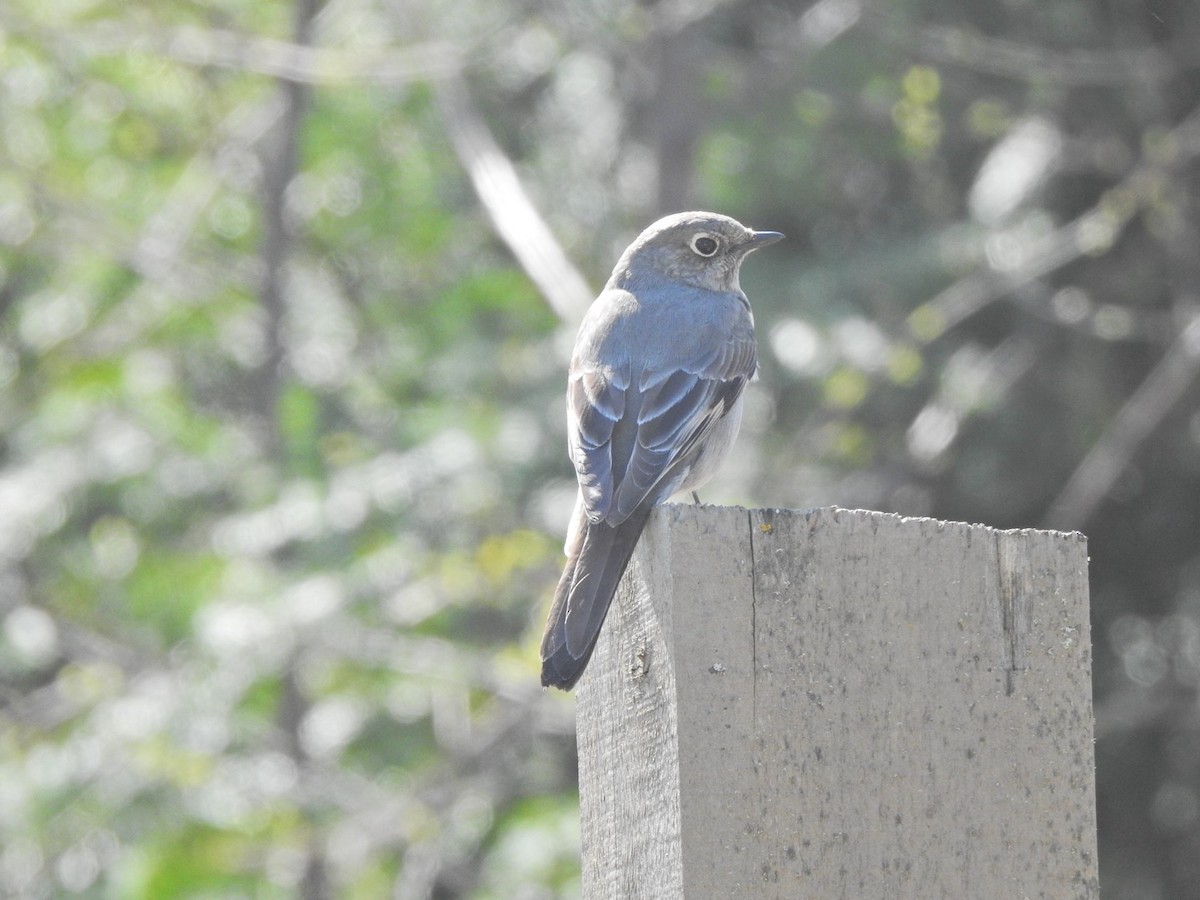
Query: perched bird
x=654, y=401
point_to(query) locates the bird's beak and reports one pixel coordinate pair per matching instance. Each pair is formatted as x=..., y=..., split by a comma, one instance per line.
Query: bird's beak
x=762, y=239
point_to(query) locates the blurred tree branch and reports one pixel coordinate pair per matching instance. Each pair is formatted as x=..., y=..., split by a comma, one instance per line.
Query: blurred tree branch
x=228, y=49
x=1068, y=66
x=1129, y=428
x=1158, y=393
x=281, y=164
x=675, y=118
x=1092, y=232
x=512, y=212
x=390, y=66
x=516, y=219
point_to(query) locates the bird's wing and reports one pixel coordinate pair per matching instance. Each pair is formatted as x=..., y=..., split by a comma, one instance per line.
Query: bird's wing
x=634, y=433
x=595, y=406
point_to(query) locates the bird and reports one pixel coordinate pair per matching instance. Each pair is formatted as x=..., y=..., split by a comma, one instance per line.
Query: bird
x=654, y=402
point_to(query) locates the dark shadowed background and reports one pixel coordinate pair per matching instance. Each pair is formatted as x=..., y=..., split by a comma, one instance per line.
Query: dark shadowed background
x=286, y=295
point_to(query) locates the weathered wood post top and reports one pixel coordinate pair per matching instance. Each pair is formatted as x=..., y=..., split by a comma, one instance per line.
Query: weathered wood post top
x=840, y=704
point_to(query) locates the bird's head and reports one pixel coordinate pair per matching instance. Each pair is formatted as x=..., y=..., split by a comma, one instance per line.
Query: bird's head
x=699, y=249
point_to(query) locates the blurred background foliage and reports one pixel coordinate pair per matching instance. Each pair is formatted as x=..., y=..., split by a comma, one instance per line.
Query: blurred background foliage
x=286, y=295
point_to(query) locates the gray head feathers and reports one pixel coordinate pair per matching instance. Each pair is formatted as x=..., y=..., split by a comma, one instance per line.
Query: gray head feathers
x=699, y=249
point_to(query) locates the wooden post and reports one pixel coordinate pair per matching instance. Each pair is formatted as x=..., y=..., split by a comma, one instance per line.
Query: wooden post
x=840, y=704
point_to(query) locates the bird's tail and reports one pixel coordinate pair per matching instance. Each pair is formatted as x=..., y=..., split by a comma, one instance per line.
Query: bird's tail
x=596, y=560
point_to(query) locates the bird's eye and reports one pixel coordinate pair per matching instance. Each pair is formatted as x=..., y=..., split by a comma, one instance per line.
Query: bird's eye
x=704, y=244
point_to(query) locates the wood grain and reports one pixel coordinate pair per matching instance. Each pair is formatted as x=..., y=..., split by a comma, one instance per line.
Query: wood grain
x=840, y=703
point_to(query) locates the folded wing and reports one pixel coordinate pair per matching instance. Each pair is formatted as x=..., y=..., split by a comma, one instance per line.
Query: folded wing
x=633, y=435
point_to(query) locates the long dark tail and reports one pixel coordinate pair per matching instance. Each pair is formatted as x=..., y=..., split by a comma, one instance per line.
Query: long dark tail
x=596, y=560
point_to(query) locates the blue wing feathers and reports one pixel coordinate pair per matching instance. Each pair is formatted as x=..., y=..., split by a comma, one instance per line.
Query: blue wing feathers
x=633, y=435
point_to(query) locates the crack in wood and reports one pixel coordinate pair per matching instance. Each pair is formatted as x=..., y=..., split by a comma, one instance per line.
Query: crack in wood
x=1014, y=582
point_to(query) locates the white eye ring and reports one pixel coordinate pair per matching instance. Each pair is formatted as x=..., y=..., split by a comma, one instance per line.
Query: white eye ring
x=704, y=244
